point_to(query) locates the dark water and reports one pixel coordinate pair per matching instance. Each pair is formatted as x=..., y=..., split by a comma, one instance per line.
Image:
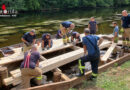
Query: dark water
x=11, y=29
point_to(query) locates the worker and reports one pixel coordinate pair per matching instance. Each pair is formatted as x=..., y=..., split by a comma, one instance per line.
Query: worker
x=46, y=41
x=66, y=28
x=76, y=36
x=59, y=34
x=93, y=27
x=28, y=39
x=115, y=36
x=125, y=21
x=30, y=67
x=90, y=44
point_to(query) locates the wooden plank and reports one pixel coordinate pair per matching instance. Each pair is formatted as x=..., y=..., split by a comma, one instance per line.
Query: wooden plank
x=108, y=53
x=55, y=62
x=65, y=85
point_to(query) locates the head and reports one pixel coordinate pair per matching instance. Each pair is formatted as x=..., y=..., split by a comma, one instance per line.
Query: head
x=124, y=13
x=72, y=26
x=47, y=35
x=32, y=32
x=114, y=24
x=92, y=19
x=34, y=48
x=86, y=31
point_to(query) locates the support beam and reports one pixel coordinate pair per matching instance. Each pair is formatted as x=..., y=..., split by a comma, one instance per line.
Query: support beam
x=108, y=53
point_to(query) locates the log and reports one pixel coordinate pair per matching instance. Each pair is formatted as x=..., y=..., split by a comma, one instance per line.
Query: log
x=65, y=85
x=108, y=53
x=3, y=75
x=52, y=63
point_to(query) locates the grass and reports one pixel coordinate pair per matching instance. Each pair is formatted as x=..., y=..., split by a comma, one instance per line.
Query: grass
x=116, y=78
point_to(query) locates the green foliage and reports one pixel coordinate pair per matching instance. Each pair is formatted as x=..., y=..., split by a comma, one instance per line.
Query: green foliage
x=60, y=4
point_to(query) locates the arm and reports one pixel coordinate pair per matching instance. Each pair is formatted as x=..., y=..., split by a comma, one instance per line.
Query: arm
x=85, y=49
x=34, y=41
x=72, y=38
x=60, y=35
x=96, y=27
x=37, y=64
x=49, y=43
x=89, y=26
x=23, y=40
x=42, y=43
x=100, y=41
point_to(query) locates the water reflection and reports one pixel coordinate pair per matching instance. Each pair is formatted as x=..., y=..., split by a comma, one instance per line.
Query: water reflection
x=11, y=29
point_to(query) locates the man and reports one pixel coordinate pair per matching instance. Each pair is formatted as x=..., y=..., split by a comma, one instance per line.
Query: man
x=46, y=41
x=29, y=39
x=125, y=21
x=30, y=67
x=93, y=27
x=90, y=45
x=59, y=34
x=115, y=36
x=115, y=32
x=76, y=36
x=66, y=28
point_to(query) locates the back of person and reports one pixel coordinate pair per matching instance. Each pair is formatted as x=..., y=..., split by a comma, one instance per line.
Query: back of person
x=91, y=43
x=66, y=24
x=34, y=57
x=28, y=37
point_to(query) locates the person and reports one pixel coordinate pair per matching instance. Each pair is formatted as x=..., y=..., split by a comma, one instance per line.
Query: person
x=93, y=27
x=76, y=36
x=125, y=21
x=30, y=67
x=46, y=41
x=90, y=44
x=28, y=39
x=66, y=28
x=115, y=32
x=59, y=34
x=115, y=36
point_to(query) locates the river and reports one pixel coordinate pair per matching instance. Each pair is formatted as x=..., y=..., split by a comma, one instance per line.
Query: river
x=12, y=29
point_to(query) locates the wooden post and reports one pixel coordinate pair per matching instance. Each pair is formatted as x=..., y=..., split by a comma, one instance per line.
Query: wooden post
x=56, y=77
x=3, y=74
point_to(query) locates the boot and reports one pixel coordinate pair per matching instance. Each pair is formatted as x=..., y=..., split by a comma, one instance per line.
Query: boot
x=92, y=77
x=80, y=74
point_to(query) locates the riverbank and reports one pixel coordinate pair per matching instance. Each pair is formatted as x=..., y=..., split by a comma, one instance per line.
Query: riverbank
x=117, y=78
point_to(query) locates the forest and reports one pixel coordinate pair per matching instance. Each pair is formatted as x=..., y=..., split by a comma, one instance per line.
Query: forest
x=30, y=5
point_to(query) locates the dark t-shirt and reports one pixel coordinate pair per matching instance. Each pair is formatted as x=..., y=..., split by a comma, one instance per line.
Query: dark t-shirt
x=35, y=56
x=126, y=21
x=74, y=35
x=44, y=37
x=90, y=47
x=93, y=25
x=29, y=38
x=66, y=24
x=58, y=34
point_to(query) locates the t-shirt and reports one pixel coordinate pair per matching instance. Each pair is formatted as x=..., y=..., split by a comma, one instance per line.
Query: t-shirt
x=44, y=37
x=58, y=33
x=29, y=38
x=66, y=24
x=74, y=35
x=35, y=56
x=90, y=48
x=93, y=25
x=126, y=21
x=116, y=29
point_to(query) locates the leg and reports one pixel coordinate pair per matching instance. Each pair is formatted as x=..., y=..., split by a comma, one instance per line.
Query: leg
x=26, y=48
x=94, y=65
x=25, y=78
x=82, y=65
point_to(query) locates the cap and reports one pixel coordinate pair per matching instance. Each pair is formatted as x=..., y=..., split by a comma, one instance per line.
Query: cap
x=33, y=30
x=86, y=30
